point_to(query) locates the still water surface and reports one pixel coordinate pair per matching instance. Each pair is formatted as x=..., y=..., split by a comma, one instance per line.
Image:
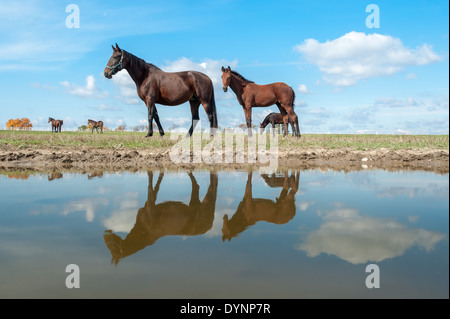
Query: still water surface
x=225, y=234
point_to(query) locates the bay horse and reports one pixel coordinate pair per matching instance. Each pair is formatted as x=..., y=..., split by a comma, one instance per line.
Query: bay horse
x=169, y=218
x=96, y=125
x=56, y=124
x=155, y=86
x=251, y=95
x=276, y=118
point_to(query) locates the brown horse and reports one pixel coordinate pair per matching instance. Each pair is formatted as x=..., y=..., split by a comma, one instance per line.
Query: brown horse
x=96, y=125
x=276, y=118
x=252, y=210
x=170, y=218
x=156, y=86
x=252, y=95
x=56, y=124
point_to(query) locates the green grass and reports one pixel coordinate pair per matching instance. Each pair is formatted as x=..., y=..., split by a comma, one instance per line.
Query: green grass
x=132, y=140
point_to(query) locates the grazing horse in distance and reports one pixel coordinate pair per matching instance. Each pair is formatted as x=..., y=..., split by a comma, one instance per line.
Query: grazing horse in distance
x=96, y=125
x=169, y=218
x=154, y=86
x=249, y=95
x=252, y=210
x=276, y=118
x=56, y=124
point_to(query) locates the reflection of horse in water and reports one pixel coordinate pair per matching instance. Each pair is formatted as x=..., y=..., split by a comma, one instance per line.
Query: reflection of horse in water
x=154, y=221
x=54, y=175
x=94, y=174
x=252, y=210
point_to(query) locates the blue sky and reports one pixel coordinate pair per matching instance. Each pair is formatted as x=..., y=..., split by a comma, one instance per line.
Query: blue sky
x=348, y=78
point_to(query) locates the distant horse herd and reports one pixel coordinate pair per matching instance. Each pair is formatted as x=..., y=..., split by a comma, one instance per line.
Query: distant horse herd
x=56, y=125
x=155, y=86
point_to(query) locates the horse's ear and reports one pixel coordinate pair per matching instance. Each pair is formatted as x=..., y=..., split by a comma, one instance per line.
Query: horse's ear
x=229, y=69
x=117, y=47
x=114, y=49
x=223, y=69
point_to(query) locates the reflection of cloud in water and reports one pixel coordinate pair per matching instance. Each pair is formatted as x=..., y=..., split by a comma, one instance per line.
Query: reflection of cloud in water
x=360, y=239
x=303, y=206
x=124, y=218
x=88, y=205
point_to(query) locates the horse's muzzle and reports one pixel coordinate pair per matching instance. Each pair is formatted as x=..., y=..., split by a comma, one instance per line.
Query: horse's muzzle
x=107, y=73
x=225, y=89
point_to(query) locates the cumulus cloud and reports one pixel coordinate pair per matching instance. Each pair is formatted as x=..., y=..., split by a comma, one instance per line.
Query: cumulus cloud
x=356, y=56
x=303, y=89
x=90, y=90
x=127, y=88
x=361, y=239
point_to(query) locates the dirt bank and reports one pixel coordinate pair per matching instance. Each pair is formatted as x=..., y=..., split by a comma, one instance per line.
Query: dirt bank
x=132, y=159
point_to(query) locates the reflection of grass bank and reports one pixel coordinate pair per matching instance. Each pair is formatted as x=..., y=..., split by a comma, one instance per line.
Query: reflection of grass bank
x=131, y=140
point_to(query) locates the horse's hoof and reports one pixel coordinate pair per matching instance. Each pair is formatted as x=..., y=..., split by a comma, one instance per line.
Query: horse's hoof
x=148, y=135
x=161, y=134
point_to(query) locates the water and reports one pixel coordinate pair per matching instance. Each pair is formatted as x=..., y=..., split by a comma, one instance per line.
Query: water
x=226, y=234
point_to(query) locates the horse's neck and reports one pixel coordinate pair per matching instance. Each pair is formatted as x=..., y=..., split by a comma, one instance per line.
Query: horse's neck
x=138, y=72
x=237, y=86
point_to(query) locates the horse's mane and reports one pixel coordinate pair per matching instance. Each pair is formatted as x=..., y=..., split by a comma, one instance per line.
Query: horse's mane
x=134, y=60
x=241, y=77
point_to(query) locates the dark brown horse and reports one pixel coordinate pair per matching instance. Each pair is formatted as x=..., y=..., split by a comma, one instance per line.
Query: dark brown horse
x=252, y=210
x=156, y=86
x=96, y=125
x=252, y=95
x=170, y=218
x=276, y=118
x=56, y=124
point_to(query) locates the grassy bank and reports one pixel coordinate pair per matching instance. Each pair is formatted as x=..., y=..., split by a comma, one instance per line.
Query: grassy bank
x=131, y=140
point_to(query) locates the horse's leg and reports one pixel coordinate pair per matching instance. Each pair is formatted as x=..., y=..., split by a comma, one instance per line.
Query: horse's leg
x=209, y=112
x=151, y=113
x=195, y=201
x=284, y=114
x=195, y=104
x=248, y=119
x=273, y=127
x=294, y=118
x=158, y=123
x=293, y=128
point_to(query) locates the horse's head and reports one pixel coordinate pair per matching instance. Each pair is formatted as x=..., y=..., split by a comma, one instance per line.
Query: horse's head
x=115, y=63
x=50, y=119
x=226, y=78
x=114, y=244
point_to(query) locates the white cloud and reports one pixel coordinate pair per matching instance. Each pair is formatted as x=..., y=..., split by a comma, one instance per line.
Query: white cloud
x=127, y=88
x=303, y=89
x=347, y=235
x=89, y=90
x=356, y=56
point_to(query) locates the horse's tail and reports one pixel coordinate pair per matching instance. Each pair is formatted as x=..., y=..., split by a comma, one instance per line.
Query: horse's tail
x=212, y=105
x=293, y=97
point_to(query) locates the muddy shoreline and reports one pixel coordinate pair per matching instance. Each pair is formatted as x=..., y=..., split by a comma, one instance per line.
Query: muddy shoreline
x=86, y=159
